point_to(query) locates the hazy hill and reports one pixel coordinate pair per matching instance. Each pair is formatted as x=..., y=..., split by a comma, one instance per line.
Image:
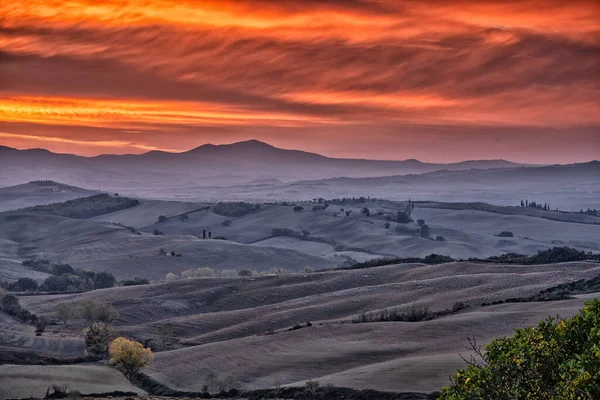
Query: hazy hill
x=40, y=192
x=232, y=163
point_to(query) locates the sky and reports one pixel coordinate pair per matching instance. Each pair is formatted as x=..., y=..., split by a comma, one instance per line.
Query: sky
x=434, y=80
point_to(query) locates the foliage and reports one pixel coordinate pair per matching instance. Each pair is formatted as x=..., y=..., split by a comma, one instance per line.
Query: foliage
x=402, y=218
x=10, y=304
x=165, y=335
x=23, y=285
x=405, y=230
x=558, y=359
x=506, y=234
x=65, y=278
x=440, y=239
x=63, y=311
x=171, y=277
x=86, y=207
x=40, y=325
x=97, y=338
x=134, y=282
x=235, y=209
x=245, y=272
x=550, y=256
x=157, y=232
x=204, y=272
x=162, y=218
x=377, y=262
x=129, y=356
x=93, y=311
x=188, y=273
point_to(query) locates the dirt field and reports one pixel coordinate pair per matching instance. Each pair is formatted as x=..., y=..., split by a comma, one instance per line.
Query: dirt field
x=238, y=326
x=25, y=381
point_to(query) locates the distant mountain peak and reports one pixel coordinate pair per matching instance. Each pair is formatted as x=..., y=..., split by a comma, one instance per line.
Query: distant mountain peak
x=251, y=144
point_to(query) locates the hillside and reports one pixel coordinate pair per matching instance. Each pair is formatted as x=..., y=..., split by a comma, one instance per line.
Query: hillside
x=116, y=249
x=31, y=381
x=239, y=326
x=39, y=192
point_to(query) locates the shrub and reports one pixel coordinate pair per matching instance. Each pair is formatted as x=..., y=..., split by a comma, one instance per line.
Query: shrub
x=63, y=311
x=188, y=273
x=204, y=272
x=165, y=335
x=245, y=272
x=387, y=225
x=157, y=232
x=162, y=218
x=106, y=313
x=403, y=218
x=282, y=232
x=424, y=231
x=97, y=338
x=104, y=280
x=558, y=359
x=134, y=282
x=228, y=273
x=184, y=217
x=307, y=270
x=10, y=304
x=405, y=230
x=61, y=269
x=25, y=285
x=40, y=326
x=440, y=239
x=129, y=356
x=93, y=311
x=298, y=208
x=55, y=284
x=171, y=277
x=506, y=234
x=414, y=314
x=420, y=222
x=227, y=222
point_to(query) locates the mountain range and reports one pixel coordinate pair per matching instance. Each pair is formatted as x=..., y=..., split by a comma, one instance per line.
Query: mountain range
x=248, y=160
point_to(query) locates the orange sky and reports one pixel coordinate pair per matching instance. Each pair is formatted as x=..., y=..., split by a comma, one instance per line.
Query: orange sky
x=434, y=80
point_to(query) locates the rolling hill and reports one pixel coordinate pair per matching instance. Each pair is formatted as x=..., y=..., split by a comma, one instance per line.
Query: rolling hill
x=39, y=192
x=240, y=327
x=223, y=164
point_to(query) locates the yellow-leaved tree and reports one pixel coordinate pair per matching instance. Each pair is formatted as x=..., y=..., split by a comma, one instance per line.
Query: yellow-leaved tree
x=129, y=356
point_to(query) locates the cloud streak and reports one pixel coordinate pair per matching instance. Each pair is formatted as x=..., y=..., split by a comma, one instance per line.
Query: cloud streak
x=219, y=70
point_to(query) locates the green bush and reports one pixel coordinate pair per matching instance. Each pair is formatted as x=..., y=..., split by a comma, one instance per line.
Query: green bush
x=558, y=359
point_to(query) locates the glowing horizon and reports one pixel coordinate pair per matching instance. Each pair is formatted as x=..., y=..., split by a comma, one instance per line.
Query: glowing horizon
x=439, y=81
